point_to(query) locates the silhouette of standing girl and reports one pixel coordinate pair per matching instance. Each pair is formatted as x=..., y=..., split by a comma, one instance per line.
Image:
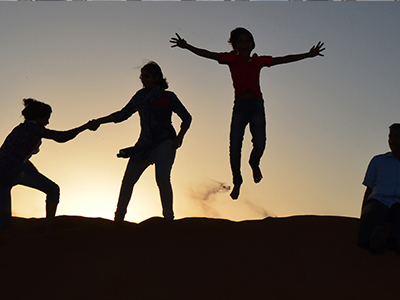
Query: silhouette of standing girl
x=157, y=142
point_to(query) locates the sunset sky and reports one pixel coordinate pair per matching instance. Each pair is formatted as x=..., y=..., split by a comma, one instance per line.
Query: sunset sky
x=326, y=116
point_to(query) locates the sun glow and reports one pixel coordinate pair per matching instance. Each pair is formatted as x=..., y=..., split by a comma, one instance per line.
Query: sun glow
x=98, y=197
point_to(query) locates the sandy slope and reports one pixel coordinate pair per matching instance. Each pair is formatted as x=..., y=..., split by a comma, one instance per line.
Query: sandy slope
x=303, y=257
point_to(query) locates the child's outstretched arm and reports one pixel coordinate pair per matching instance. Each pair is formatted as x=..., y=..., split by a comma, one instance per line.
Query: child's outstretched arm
x=314, y=51
x=104, y=120
x=65, y=136
x=181, y=43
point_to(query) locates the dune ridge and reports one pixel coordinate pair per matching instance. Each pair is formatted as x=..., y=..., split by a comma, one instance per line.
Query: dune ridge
x=299, y=257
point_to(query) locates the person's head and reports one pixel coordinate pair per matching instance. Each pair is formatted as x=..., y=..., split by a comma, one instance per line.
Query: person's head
x=152, y=76
x=36, y=111
x=242, y=40
x=394, y=138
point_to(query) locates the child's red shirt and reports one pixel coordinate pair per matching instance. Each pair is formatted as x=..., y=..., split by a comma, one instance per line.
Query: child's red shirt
x=245, y=71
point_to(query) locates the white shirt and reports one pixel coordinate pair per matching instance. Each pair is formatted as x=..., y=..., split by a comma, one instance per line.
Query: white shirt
x=383, y=177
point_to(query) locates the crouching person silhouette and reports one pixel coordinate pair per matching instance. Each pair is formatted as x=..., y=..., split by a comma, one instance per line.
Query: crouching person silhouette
x=17, y=169
x=381, y=204
x=157, y=142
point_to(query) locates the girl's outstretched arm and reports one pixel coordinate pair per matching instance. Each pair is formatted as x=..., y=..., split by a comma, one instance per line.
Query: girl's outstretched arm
x=91, y=125
x=104, y=120
x=181, y=43
x=65, y=136
x=314, y=51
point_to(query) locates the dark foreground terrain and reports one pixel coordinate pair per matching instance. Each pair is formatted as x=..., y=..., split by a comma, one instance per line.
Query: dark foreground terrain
x=302, y=257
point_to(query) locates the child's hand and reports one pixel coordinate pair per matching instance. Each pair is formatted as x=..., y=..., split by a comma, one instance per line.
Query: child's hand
x=178, y=42
x=177, y=143
x=316, y=50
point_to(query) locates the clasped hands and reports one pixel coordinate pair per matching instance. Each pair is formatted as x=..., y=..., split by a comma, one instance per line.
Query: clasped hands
x=93, y=125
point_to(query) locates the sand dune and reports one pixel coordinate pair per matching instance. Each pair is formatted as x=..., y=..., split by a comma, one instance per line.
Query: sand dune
x=302, y=257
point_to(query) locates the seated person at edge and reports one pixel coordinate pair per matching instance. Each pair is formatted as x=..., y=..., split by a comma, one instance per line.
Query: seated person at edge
x=158, y=140
x=381, y=204
x=249, y=104
x=17, y=169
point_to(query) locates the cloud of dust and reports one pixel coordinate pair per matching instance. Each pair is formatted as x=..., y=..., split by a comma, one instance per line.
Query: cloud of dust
x=258, y=210
x=207, y=195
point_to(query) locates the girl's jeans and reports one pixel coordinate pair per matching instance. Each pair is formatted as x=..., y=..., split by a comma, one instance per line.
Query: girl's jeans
x=25, y=176
x=163, y=157
x=247, y=111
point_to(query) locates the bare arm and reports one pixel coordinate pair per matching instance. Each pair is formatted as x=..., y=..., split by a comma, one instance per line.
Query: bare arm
x=65, y=136
x=314, y=51
x=181, y=43
x=91, y=125
x=367, y=193
x=104, y=120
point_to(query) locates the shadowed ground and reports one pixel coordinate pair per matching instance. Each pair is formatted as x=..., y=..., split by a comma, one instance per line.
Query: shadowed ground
x=302, y=257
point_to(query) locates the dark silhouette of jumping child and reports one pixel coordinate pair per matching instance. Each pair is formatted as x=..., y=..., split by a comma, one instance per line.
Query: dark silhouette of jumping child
x=15, y=166
x=249, y=105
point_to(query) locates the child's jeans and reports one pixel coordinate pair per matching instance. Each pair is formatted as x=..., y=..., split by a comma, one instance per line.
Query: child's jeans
x=25, y=176
x=163, y=157
x=247, y=111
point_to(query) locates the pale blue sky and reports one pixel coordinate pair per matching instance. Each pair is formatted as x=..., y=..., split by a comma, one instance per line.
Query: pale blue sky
x=326, y=116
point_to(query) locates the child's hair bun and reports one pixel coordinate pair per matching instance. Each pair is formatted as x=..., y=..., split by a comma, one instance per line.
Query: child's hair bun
x=35, y=109
x=28, y=101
